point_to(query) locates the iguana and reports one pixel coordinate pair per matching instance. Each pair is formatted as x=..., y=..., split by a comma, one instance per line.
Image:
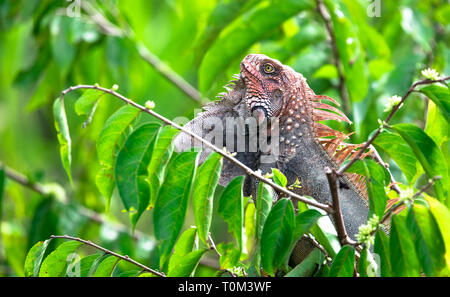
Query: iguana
x=267, y=89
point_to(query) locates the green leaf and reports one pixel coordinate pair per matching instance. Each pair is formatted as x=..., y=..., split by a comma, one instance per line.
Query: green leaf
x=88, y=264
x=308, y=266
x=440, y=96
x=379, y=179
x=55, y=264
x=437, y=126
x=62, y=129
x=229, y=255
x=146, y=274
x=304, y=221
x=185, y=244
x=343, y=263
x=399, y=151
x=110, y=141
x=442, y=216
x=382, y=249
x=277, y=236
x=427, y=239
x=95, y=264
x=264, y=202
x=414, y=23
x=34, y=258
x=324, y=232
x=184, y=259
x=106, y=267
x=222, y=15
x=63, y=49
x=232, y=210
x=187, y=265
x=323, y=271
x=161, y=154
x=250, y=227
x=373, y=41
x=129, y=273
x=428, y=154
x=365, y=267
x=2, y=189
x=363, y=262
x=279, y=178
x=44, y=222
x=351, y=53
x=402, y=252
x=171, y=205
x=204, y=187
x=87, y=101
x=327, y=71
x=244, y=32
x=131, y=170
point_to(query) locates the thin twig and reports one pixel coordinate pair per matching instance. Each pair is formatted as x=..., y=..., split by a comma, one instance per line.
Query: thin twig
x=318, y=245
x=389, y=117
x=23, y=180
x=106, y=251
x=223, y=153
x=394, y=208
x=337, y=214
x=377, y=158
x=336, y=57
x=109, y=28
x=170, y=74
x=213, y=245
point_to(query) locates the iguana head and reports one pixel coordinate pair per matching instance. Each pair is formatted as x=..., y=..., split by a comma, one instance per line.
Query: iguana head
x=276, y=90
x=269, y=85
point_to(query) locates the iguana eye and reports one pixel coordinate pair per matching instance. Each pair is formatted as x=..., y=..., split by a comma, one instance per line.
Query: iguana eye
x=268, y=68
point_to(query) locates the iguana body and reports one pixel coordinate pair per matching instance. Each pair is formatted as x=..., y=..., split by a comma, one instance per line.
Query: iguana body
x=268, y=89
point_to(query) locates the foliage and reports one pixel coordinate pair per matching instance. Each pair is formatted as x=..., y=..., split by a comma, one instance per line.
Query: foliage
x=127, y=189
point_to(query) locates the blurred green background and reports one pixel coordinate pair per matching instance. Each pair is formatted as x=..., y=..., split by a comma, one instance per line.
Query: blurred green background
x=49, y=45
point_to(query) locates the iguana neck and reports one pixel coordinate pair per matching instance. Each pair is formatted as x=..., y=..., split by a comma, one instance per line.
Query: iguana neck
x=302, y=157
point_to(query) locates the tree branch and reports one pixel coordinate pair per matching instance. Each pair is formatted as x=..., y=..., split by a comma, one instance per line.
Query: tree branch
x=337, y=214
x=319, y=246
x=389, y=117
x=23, y=180
x=86, y=212
x=106, y=251
x=223, y=153
x=336, y=57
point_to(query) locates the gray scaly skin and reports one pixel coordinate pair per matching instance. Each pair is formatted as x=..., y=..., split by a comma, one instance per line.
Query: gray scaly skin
x=268, y=89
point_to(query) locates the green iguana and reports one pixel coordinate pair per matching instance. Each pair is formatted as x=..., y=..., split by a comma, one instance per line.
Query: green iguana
x=280, y=100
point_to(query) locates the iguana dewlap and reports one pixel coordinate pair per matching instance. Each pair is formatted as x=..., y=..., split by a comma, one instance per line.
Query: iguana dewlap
x=267, y=90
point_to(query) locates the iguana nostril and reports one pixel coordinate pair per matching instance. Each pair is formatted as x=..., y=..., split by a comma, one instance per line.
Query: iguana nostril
x=260, y=114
